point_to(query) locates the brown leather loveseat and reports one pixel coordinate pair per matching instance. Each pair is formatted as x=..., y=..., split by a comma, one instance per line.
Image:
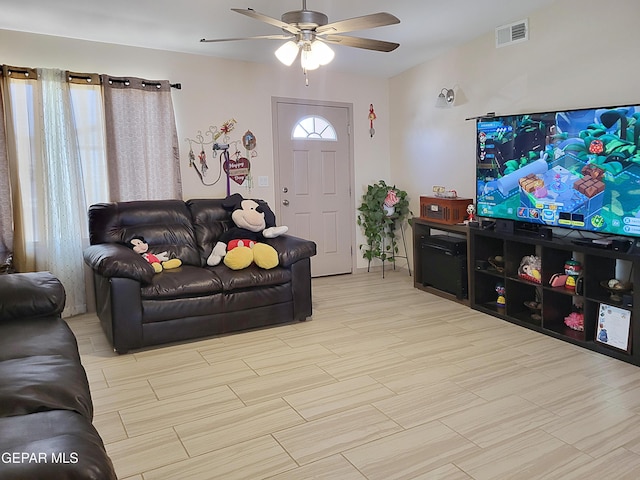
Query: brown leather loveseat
x=45, y=404
x=138, y=307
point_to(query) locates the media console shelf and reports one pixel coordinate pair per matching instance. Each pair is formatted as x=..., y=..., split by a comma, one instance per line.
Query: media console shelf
x=556, y=303
x=423, y=228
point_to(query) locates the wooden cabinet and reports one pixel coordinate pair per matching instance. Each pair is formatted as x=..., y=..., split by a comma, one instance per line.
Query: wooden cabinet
x=555, y=303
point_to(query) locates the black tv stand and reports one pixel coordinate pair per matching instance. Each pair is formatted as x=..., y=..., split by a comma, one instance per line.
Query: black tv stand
x=599, y=265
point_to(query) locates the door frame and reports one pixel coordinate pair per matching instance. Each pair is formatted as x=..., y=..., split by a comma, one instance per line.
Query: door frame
x=276, y=165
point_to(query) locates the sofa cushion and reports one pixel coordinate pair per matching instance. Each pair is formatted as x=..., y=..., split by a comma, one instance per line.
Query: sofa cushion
x=37, y=336
x=164, y=224
x=43, y=382
x=210, y=220
x=182, y=282
x=61, y=444
x=187, y=307
x=242, y=300
x=251, y=277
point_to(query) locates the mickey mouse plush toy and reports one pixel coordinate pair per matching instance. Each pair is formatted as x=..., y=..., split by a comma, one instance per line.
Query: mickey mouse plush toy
x=159, y=261
x=242, y=245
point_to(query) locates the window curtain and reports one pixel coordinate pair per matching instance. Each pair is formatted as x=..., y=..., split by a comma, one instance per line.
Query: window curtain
x=18, y=86
x=141, y=139
x=49, y=209
x=65, y=212
x=6, y=216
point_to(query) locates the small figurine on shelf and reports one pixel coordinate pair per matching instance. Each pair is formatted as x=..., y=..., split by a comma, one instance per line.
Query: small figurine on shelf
x=501, y=301
x=602, y=334
x=572, y=269
x=471, y=213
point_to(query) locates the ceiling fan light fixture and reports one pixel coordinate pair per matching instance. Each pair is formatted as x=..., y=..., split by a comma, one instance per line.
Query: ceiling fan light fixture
x=287, y=53
x=307, y=32
x=322, y=52
x=308, y=59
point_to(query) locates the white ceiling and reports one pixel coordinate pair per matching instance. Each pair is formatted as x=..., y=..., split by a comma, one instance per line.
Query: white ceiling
x=427, y=28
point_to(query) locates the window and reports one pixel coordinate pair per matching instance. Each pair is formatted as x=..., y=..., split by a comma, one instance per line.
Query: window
x=88, y=113
x=314, y=128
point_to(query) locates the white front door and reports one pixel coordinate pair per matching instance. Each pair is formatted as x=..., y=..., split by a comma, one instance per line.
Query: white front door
x=313, y=180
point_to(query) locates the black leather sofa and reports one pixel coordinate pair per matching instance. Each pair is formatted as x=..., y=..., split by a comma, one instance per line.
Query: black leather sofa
x=45, y=404
x=138, y=307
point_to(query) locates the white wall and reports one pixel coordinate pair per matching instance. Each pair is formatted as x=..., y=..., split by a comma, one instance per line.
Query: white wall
x=581, y=53
x=214, y=90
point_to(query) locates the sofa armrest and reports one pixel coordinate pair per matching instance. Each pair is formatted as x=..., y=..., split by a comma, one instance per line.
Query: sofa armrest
x=291, y=249
x=30, y=295
x=115, y=260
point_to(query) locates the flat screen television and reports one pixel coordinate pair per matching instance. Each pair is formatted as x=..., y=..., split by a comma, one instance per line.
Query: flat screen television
x=576, y=169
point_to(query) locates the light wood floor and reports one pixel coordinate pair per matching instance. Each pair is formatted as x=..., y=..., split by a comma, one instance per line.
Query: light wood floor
x=384, y=382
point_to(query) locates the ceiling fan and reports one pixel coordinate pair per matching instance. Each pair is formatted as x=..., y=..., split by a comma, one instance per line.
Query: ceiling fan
x=309, y=32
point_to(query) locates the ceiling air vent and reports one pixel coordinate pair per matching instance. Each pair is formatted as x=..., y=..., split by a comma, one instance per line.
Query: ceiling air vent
x=513, y=33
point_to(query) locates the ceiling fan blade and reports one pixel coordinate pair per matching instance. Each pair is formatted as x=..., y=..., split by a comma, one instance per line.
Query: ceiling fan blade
x=366, y=43
x=259, y=37
x=249, y=12
x=359, y=23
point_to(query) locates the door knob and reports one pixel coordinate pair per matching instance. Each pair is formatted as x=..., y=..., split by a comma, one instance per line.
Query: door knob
x=285, y=202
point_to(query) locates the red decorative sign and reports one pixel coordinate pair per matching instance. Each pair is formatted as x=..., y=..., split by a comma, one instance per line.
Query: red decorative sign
x=237, y=169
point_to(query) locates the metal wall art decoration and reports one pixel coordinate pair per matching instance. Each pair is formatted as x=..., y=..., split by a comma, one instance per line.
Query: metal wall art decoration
x=231, y=160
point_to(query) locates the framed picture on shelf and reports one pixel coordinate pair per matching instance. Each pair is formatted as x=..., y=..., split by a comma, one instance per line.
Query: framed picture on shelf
x=614, y=327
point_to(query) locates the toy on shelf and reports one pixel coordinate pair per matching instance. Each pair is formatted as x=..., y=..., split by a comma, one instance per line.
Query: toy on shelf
x=572, y=269
x=575, y=321
x=501, y=301
x=471, y=213
x=530, y=268
x=558, y=280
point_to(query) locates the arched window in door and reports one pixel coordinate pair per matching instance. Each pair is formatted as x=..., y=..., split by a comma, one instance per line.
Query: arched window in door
x=314, y=128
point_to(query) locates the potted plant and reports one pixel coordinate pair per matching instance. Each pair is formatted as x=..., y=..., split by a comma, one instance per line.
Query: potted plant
x=383, y=209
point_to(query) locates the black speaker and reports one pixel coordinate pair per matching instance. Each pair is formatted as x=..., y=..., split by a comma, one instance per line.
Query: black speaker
x=444, y=264
x=545, y=233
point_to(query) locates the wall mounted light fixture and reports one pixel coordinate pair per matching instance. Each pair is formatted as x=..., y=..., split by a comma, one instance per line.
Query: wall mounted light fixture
x=445, y=98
